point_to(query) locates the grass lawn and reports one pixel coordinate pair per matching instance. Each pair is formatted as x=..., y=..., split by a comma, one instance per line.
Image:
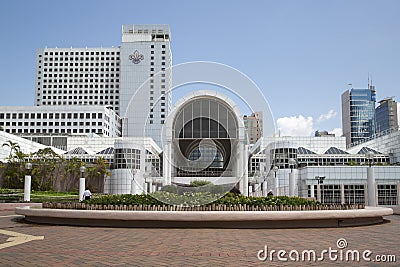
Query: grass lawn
x=17, y=195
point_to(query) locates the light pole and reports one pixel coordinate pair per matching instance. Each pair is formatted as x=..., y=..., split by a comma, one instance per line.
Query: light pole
x=371, y=180
x=82, y=169
x=27, y=183
x=320, y=180
x=292, y=163
x=275, y=169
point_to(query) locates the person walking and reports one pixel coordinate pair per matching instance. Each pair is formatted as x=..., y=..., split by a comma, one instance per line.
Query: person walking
x=87, y=194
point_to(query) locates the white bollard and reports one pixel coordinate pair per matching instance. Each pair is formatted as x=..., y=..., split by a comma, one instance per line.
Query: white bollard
x=154, y=188
x=150, y=186
x=145, y=188
x=371, y=187
x=27, y=188
x=81, y=188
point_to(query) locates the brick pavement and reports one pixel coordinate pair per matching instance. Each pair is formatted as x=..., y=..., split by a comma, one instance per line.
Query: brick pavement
x=94, y=246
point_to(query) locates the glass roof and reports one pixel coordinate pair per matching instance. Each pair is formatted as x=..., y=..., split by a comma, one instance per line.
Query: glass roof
x=302, y=150
x=335, y=150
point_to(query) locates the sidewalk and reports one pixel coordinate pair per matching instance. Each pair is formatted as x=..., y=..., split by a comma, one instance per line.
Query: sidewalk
x=12, y=206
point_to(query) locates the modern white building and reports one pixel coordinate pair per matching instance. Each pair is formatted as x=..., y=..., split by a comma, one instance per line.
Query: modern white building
x=133, y=78
x=145, y=97
x=78, y=76
x=47, y=121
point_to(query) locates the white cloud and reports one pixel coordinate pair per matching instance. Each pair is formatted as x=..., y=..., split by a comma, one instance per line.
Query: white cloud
x=337, y=131
x=324, y=117
x=295, y=126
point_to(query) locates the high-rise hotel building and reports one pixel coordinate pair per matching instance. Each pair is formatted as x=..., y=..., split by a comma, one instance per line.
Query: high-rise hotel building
x=134, y=79
x=358, y=114
x=145, y=97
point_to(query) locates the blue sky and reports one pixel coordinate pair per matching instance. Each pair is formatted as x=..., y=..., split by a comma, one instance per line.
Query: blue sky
x=302, y=54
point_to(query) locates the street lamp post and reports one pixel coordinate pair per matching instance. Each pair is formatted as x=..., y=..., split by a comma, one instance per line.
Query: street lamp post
x=320, y=180
x=372, y=196
x=82, y=169
x=27, y=182
x=292, y=163
x=275, y=170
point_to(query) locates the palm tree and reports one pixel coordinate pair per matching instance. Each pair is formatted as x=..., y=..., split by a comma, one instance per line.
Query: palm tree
x=14, y=147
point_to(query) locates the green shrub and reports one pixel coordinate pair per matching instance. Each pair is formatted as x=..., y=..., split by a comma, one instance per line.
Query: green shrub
x=197, y=183
x=197, y=199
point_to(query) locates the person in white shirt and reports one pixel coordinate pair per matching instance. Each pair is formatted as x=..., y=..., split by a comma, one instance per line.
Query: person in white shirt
x=87, y=194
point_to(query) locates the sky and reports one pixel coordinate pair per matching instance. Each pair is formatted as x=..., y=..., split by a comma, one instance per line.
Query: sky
x=301, y=54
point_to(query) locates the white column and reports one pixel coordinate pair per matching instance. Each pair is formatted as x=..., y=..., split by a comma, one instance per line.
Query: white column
x=244, y=169
x=81, y=188
x=277, y=185
x=27, y=188
x=250, y=192
x=291, y=184
x=319, y=193
x=264, y=188
x=342, y=198
x=398, y=193
x=372, y=192
x=312, y=190
x=167, y=164
x=150, y=186
x=133, y=186
x=145, y=188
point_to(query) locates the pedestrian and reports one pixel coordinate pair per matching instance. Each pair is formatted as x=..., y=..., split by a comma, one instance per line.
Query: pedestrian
x=87, y=194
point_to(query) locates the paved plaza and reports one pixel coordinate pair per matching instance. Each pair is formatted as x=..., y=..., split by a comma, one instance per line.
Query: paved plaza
x=49, y=245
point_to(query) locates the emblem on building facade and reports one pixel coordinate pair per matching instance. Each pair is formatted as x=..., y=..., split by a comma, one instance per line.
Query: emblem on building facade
x=136, y=57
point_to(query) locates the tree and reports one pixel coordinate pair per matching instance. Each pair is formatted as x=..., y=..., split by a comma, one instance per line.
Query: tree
x=14, y=171
x=46, y=169
x=96, y=173
x=72, y=173
x=14, y=147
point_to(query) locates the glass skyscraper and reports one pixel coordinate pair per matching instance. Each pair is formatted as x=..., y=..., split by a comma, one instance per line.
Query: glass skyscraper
x=386, y=115
x=358, y=114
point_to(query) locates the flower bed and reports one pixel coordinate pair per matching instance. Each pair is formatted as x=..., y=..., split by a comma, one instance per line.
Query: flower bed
x=189, y=202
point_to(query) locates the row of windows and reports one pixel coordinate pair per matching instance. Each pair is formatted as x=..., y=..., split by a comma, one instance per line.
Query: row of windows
x=79, y=64
x=80, y=97
x=101, y=103
x=56, y=131
x=79, y=53
x=81, y=75
x=80, y=92
x=79, y=86
x=51, y=123
x=79, y=58
x=80, y=80
x=51, y=115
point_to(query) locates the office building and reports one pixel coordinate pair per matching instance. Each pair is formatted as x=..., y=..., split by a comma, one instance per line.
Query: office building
x=253, y=125
x=50, y=125
x=358, y=114
x=133, y=78
x=78, y=76
x=386, y=115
